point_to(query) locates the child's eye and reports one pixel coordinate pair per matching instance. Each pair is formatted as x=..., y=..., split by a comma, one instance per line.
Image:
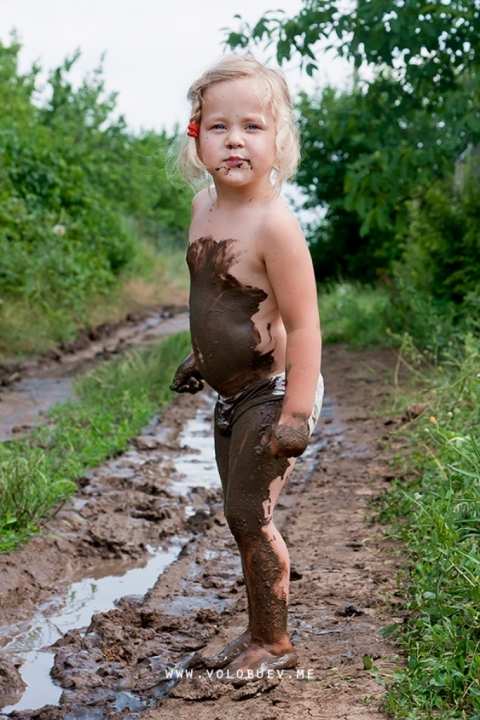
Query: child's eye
x=250, y=125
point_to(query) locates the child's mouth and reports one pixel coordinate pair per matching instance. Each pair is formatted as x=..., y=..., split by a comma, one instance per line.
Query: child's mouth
x=235, y=162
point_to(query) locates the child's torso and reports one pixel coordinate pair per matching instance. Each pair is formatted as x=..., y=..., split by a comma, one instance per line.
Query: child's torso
x=237, y=332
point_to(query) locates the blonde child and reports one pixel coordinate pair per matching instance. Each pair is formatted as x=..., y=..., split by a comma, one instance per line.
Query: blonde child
x=254, y=327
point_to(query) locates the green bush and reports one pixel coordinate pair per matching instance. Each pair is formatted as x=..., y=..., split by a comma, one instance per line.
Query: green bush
x=70, y=174
x=441, y=255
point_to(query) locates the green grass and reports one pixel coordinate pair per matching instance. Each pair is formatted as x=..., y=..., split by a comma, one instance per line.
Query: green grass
x=115, y=401
x=436, y=513
x=357, y=314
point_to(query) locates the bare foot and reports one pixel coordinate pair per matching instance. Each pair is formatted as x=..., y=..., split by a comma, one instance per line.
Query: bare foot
x=229, y=652
x=256, y=660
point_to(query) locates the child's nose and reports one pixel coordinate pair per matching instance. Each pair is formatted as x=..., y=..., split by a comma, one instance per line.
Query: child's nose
x=234, y=137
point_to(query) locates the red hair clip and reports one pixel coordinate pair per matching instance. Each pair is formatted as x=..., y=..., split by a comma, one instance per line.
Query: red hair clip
x=193, y=129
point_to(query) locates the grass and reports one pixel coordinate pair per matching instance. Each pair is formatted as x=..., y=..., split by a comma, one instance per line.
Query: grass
x=115, y=401
x=436, y=513
x=433, y=507
x=357, y=314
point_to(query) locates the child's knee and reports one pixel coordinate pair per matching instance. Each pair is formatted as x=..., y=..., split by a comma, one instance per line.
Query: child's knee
x=244, y=520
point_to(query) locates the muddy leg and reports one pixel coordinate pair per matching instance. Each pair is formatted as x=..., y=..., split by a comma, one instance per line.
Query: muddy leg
x=237, y=644
x=254, y=483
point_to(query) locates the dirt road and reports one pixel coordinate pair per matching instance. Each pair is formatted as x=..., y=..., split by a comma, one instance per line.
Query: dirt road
x=343, y=573
x=29, y=388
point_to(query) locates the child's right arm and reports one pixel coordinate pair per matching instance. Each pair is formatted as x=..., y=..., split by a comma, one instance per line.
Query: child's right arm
x=187, y=377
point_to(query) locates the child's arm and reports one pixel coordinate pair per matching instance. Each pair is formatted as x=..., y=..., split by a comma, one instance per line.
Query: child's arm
x=187, y=377
x=290, y=272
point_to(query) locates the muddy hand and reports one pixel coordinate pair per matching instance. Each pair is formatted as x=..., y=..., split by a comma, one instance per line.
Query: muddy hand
x=287, y=440
x=187, y=378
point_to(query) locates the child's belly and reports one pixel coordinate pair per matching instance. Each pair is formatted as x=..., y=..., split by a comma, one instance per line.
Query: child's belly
x=224, y=340
x=224, y=336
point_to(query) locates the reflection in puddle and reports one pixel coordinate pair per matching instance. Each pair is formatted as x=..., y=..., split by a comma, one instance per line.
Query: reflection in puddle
x=25, y=402
x=24, y=405
x=197, y=469
x=83, y=599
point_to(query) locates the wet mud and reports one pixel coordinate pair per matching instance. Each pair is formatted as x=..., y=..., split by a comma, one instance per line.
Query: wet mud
x=30, y=388
x=127, y=662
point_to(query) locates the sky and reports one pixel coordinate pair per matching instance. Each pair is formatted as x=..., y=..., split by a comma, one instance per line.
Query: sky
x=154, y=49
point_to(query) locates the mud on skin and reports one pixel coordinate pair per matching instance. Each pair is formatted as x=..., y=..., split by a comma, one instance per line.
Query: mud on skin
x=224, y=341
x=224, y=336
x=238, y=164
x=291, y=441
x=246, y=481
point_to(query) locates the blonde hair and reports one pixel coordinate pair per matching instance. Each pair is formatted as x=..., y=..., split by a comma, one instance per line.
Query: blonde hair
x=287, y=141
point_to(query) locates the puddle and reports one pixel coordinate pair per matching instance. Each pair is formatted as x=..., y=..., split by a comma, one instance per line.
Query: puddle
x=83, y=599
x=91, y=595
x=199, y=468
x=24, y=404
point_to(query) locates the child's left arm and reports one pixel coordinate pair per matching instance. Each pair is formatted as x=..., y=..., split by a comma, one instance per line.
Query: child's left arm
x=290, y=272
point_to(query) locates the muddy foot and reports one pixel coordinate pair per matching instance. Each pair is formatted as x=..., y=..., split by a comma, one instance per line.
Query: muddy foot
x=231, y=650
x=255, y=661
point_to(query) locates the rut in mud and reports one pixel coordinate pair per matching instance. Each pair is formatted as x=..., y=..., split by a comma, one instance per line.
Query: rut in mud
x=30, y=388
x=342, y=572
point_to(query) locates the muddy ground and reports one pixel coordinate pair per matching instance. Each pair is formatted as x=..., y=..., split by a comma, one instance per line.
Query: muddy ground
x=107, y=339
x=29, y=388
x=343, y=574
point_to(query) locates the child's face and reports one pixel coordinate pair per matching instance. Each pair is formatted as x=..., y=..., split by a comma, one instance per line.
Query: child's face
x=235, y=122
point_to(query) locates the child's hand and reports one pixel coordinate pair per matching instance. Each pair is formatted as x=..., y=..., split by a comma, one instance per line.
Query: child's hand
x=187, y=377
x=287, y=438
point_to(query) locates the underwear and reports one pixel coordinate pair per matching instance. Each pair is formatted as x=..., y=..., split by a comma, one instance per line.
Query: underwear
x=271, y=389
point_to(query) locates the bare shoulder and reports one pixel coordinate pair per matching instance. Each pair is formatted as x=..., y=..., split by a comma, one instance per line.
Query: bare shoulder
x=280, y=229
x=199, y=199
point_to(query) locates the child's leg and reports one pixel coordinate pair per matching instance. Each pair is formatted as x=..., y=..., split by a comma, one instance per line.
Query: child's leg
x=232, y=648
x=254, y=481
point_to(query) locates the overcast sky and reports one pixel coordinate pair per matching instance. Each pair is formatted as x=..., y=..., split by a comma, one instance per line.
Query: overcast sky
x=154, y=48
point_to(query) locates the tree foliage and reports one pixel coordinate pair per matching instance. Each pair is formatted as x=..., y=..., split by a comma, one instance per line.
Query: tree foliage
x=374, y=152
x=70, y=171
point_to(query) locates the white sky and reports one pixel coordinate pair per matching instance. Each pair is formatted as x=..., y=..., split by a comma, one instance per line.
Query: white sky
x=154, y=48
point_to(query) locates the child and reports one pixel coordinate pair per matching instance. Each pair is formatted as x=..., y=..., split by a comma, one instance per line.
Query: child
x=254, y=326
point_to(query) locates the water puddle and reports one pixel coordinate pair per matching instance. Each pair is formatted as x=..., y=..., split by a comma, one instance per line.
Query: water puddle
x=200, y=465
x=83, y=599
x=31, y=640
x=24, y=404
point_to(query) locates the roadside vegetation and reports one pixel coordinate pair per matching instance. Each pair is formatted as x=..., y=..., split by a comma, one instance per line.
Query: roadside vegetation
x=112, y=404
x=89, y=222
x=90, y=213
x=434, y=508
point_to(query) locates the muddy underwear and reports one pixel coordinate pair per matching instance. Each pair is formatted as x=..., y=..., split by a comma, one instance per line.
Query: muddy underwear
x=266, y=390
